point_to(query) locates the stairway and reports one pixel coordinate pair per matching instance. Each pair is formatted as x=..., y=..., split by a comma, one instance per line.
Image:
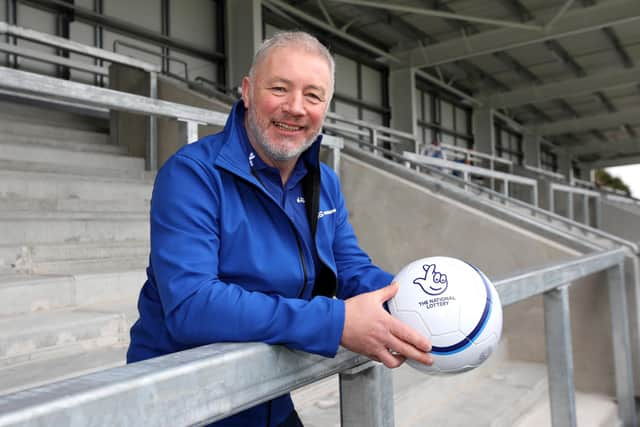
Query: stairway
x=73, y=243
x=501, y=392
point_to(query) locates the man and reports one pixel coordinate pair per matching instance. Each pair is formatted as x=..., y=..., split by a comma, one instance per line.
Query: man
x=250, y=237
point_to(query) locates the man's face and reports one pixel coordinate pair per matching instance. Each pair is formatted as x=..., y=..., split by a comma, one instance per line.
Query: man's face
x=287, y=102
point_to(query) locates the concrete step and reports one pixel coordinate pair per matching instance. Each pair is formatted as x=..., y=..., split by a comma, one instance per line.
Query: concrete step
x=592, y=410
x=38, y=132
x=42, y=293
x=493, y=397
x=74, y=205
x=56, y=252
x=73, y=169
x=67, y=158
x=42, y=185
x=100, y=145
x=26, y=227
x=40, y=336
x=16, y=110
x=39, y=372
x=91, y=265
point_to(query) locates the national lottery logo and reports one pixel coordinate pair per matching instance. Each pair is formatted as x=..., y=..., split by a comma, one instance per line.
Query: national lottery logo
x=433, y=283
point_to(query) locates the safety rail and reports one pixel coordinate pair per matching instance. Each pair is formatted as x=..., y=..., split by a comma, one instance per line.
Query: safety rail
x=475, y=156
x=621, y=199
x=571, y=191
x=545, y=172
x=468, y=171
x=375, y=133
x=161, y=55
x=551, y=219
x=212, y=382
x=583, y=183
x=82, y=94
x=94, y=52
x=72, y=46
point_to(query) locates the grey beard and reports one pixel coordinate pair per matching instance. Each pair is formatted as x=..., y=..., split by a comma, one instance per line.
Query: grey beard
x=274, y=153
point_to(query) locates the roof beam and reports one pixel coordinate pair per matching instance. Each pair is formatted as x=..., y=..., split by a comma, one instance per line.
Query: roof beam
x=614, y=161
x=586, y=123
x=625, y=146
x=321, y=24
x=602, y=15
x=565, y=88
x=440, y=14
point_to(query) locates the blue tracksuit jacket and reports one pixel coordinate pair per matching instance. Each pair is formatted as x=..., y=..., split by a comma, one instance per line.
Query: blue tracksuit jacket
x=225, y=263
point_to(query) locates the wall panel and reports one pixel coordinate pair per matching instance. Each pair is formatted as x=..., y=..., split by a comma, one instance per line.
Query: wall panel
x=38, y=20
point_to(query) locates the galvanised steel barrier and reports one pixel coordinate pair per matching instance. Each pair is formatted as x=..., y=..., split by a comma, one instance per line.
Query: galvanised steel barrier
x=198, y=386
x=80, y=94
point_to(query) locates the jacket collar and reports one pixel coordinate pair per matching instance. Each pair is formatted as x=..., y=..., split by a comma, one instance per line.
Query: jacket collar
x=235, y=153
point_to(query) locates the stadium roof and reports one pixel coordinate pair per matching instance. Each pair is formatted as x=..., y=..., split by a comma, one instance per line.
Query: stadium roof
x=565, y=69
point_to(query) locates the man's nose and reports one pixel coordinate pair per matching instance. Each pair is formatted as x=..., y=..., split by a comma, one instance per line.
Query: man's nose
x=294, y=104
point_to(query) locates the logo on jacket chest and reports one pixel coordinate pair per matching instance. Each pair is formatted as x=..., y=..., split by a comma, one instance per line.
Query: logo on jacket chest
x=322, y=214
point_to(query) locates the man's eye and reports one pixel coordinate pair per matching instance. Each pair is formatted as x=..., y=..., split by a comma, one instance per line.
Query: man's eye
x=278, y=89
x=314, y=97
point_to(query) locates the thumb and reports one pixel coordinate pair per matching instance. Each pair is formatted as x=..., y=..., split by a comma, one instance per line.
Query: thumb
x=388, y=292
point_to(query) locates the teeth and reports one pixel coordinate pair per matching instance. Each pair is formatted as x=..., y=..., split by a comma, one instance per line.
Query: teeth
x=287, y=127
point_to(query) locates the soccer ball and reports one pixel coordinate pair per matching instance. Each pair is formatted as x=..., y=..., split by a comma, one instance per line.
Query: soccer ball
x=453, y=304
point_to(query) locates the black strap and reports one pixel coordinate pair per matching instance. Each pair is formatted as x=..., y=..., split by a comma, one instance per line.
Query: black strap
x=325, y=283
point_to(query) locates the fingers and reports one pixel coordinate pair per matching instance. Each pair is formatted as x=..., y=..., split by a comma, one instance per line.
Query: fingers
x=406, y=350
x=409, y=335
x=389, y=359
x=386, y=293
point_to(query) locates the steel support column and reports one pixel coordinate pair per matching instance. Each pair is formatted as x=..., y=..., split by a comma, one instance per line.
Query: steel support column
x=621, y=342
x=366, y=396
x=557, y=327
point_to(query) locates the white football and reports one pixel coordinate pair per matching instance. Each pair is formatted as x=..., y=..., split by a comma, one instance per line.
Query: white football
x=453, y=304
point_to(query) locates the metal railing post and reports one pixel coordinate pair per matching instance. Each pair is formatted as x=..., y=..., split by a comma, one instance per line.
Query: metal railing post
x=585, y=208
x=557, y=327
x=622, y=362
x=374, y=141
x=187, y=131
x=366, y=396
x=570, y=212
x=152, y=134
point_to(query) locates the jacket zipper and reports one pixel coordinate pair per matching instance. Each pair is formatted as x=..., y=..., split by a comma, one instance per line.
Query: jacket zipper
x=304, y=264
x=295, y=233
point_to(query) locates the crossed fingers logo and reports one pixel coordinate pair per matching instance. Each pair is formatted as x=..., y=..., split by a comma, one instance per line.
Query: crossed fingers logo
x=433, y=282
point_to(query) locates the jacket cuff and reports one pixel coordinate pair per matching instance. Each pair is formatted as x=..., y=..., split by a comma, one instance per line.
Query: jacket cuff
x=336, y=326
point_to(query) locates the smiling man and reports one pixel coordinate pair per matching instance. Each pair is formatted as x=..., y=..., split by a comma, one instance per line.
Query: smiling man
x=250, y=238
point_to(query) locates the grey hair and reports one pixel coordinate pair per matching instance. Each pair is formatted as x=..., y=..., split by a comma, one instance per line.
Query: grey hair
x=293, y=38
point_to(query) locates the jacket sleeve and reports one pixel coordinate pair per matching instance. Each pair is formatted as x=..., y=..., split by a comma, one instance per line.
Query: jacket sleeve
x=355, y=270
x=198, y=307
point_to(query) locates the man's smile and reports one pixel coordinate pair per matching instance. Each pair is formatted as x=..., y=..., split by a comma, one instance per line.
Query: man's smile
x=290, y=128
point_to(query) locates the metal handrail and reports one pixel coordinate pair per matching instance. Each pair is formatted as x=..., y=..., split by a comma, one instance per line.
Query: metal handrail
x=548, y=173
x=208, y=383
x=505, y=201
x=570, y=191
x=470, y=154
x=96, y=96
x=119, y=42
x=70, y=45
x=52, y=59
x=83, y=94
x=468, y=170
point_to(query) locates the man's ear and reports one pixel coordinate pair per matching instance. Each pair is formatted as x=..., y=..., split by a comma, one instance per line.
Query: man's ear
x=246, y=90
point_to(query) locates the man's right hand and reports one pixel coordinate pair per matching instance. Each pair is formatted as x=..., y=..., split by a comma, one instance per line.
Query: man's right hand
x=370, y=330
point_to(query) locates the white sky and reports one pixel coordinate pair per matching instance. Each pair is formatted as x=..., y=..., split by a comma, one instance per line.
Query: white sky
x=630, y=175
